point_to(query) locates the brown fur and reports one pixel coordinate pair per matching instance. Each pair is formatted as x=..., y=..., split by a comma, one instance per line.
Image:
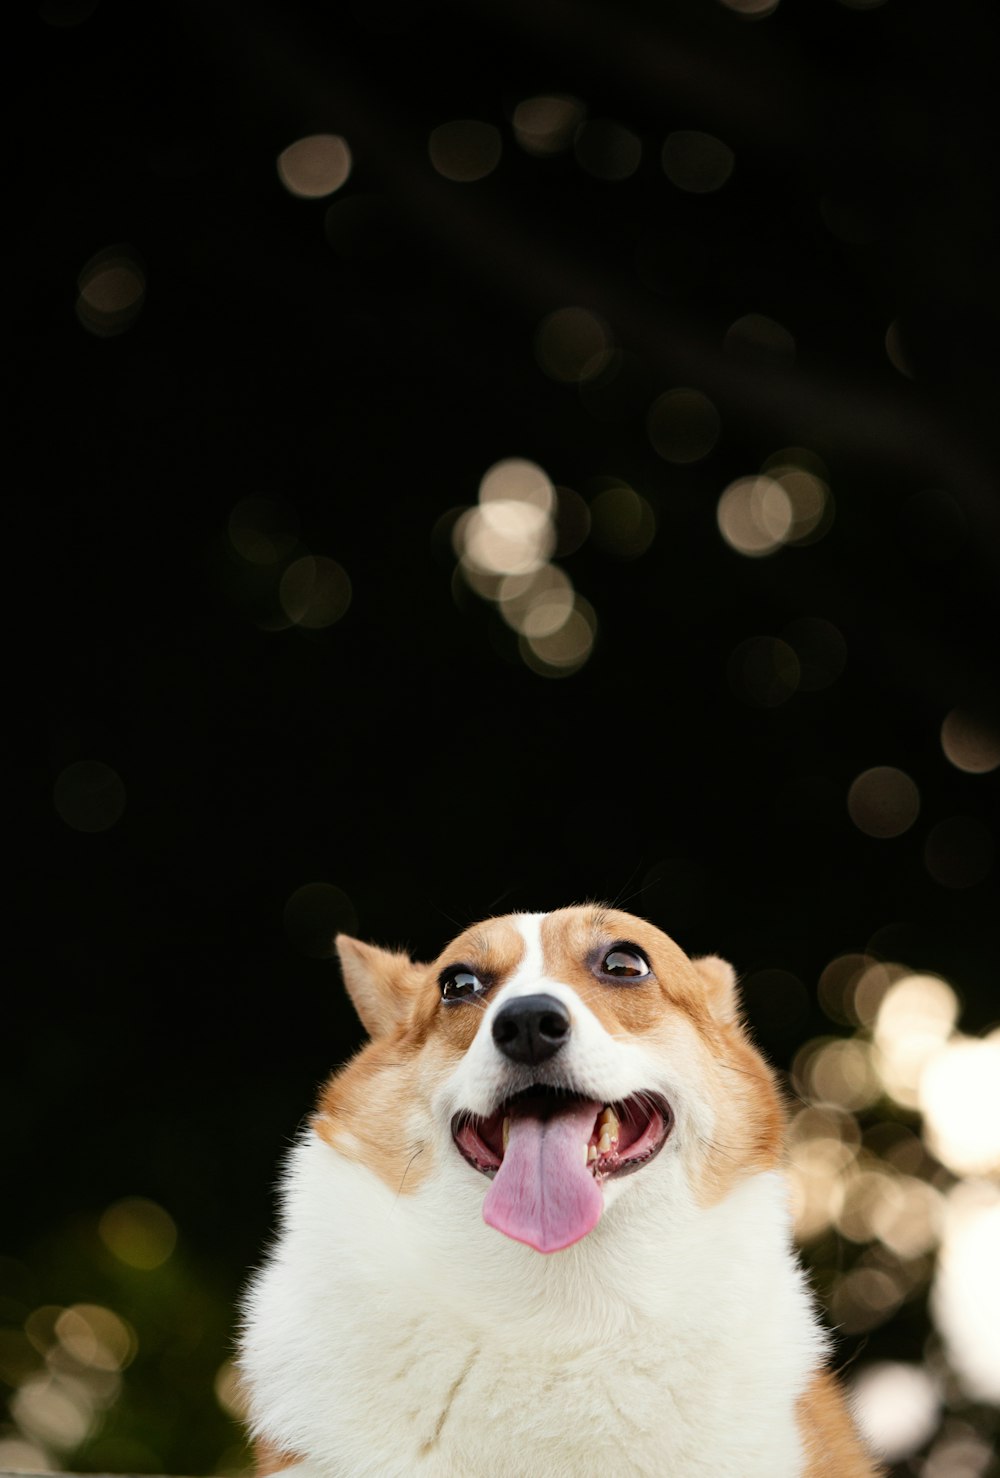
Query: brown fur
x=267, y=1458
x=369, y=1112
x=832, y=1444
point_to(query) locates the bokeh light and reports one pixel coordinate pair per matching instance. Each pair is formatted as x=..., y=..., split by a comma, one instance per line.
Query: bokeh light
x=85, y=1380
x=897, y=1407
x=623, y=522
x=751, y=9
x=505, y=546
x=229, y=1393
x=607, y=149
x=263, y=530
x=896, y=352
x=755, y=516
x=573, y=345
x=866, y=1295
x=545, y=125
x=908, y=1219
x=764, y=671
x=970, y=741
x=760, y=342
x=314, y=592
x=915, y=1017
x=538, y=604
x=112, y=290
x=822, y=1143
x=55, y=1410
x=683, y=425
x=316, y=166
x=465, y=150
x=696, y=162
x=870, y=987
x=510, y=531
x=807, y=492
x=565, y=650
x=138, y=1232
x=314, y=914
x=883, y=802
x=506, y=536
x=905, y=1214
x=89, y=796
x=887, y=1190
x=960, y=1452
x=96, y=1337
x=836, y=985
x=959, y=1096
x=838, y=1071
x=965, y=1295
x=517, y=480
x=852, y=987
x=20, y=1455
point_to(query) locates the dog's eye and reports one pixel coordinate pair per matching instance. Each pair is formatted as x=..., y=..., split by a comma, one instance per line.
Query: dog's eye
x=458, y=984
x=625, y=961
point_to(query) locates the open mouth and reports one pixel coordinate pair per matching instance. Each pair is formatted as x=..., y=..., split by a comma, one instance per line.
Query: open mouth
x=624, y=1135
x=548, y=1152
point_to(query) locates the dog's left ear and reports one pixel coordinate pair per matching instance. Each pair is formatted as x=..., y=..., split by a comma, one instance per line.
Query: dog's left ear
x=381, y=983
x=719, y=979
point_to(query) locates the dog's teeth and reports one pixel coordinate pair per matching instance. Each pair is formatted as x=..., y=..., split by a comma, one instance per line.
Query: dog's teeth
x=604, y=1143
x=591, y=1153
x=608, y=1123
x=506, y=1132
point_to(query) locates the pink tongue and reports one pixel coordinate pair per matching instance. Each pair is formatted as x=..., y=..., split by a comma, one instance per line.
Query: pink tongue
x=543, y=1193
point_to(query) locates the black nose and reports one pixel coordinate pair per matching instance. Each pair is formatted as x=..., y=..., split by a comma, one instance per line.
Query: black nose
x=531, y=1028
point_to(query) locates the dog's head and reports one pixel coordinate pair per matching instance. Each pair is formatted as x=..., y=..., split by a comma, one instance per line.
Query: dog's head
x=556, y=1062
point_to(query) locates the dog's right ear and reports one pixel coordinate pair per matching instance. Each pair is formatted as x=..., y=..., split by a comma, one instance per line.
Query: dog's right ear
x=719, y=980
x=381, y=983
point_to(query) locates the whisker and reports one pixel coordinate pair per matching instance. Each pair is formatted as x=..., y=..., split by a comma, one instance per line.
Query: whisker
x=621, y=896
x=743, y=1071
x=490, y=907
x=716, y=1148
x=849, y=1361
x=418, y=1151
x=439, y=908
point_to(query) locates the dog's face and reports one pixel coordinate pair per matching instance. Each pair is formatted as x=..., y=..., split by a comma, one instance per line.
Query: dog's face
x=556, y=1061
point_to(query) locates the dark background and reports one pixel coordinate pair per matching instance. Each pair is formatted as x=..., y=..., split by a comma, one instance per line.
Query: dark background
x=168, y=1029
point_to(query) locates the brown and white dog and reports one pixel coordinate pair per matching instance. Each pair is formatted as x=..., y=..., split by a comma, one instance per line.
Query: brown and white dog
x=569, y=1084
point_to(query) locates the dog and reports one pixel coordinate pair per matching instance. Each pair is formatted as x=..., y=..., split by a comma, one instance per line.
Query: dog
x=538, y=1228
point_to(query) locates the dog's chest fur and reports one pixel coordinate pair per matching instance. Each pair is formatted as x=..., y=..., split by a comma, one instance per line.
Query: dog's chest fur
x=648, y=1349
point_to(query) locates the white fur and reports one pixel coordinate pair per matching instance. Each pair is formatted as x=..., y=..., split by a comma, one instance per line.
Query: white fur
x=396, y=1334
